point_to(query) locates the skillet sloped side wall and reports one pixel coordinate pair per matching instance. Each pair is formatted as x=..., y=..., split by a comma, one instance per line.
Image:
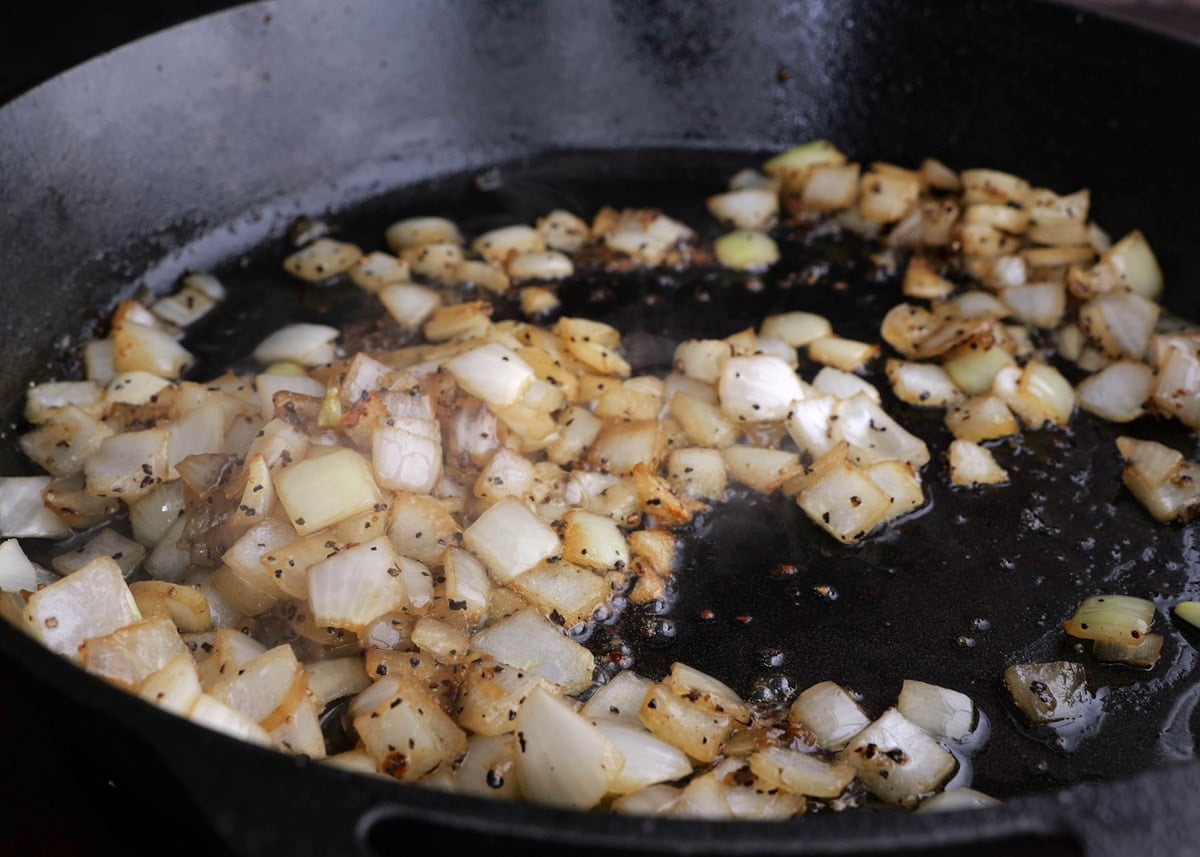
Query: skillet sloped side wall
x=111, y=168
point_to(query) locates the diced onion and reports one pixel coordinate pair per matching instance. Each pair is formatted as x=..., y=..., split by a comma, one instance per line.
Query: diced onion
x=1120, y=618
x=306, y=344
x=563, y=760
x=897, y=761
x=941, y=712
x=17, y=573
x=746, y=250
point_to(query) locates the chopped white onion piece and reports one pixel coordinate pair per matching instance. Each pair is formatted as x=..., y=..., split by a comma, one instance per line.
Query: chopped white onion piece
x=698, y=731
x=92, y=602
x=175, y=687
x=748, y=208
x=268, y=384
x=981, y=418
x=23, y=512
x=42, y=400
x=974, y=371
x=510, y=539
x=133, y=388
x=409, y=304
x=620, y=698
x=1120, y=322
x=167, y=561
x=1189, y=611
x=1037, y=304
x=953, y=800
x=703, y=798
x=897, y=761
x=941, y=712
x=186, y=606
x=1048, y=692
x=1118, y=392
x=129, y=655
x=331, y=679
x=17, y=573
x=972, y=464
x=829, y=715
x=352, y=587
x=758, y=389
x=846, y=354
x=1177, y=388
x=406, y=457
x=375, y=271
x=887, y=197
x=746, y=250
x=563, y=231
x=594, y=541
x=306, y=344
x=1143, y=653
x=563, y=759
x=793, y=166
x=98, y=357
x=647, y=236
x=873, y=435
x=322, y=259
x=758, y=467
x=1120, y=618
x=66, y=441
x=829, y=188
x=843, y=385
x=493, y=373
x=496, y=245
x=216, y=715
x=647, y=759
x=800, y=773
x=795, y=328
x=153, y=514
x=318, y=492
x=529, y=642
x=923, y=384
x=127, y=553
x=707, y=692
x=543, y=265
x=1136, y=265
x=416, y=231
x=141, y=347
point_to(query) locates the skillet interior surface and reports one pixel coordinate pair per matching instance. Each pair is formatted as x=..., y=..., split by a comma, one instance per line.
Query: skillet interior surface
x=974, y=584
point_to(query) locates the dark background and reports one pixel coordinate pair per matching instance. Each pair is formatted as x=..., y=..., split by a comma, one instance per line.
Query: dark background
x=51, y=801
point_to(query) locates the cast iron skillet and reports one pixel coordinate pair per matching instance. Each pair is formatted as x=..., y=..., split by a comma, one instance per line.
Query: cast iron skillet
x=195, y=146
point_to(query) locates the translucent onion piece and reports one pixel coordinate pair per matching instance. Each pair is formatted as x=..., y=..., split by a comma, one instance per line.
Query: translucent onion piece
x=1118, y=392
x=758, y=389
x=563, y=759
x=510, y=539
x=647, y=759
x=529, y=642
x=746, y=250
x=92, y=602
x=306, y=344
x=800, y=773
x=953, y=800
x=897, y=761
x=941, y=712
x=1048, y=692
x=1115, y=618
x=17, y=573
x=318, y=492
x=829, y=715
x=1144, y=653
